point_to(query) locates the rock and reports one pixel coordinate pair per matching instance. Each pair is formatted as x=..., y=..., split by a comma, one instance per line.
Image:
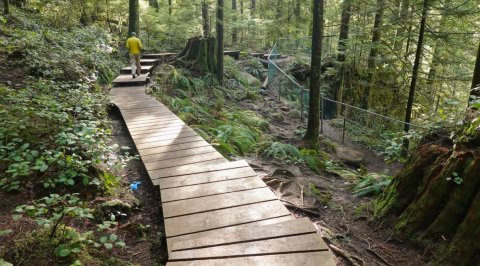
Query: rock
x=294, y=113
x=350, y=156
x=263, y=92
x=292, y=171
x=277, y=116
x=251, y=80
x=285, y=108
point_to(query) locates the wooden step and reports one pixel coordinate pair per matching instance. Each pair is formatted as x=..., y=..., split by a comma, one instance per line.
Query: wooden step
x=145, y=69
x=128, y=80
x=158, y=56
x=149, y=62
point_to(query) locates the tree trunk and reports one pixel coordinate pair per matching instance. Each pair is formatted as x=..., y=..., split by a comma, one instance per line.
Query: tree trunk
x=376, y=35
x=436, y=198
x=315, y=73
x=416, y=66
x=6, y=7
x=403, y=17
x=220, y=41
x=298, y=10
x=476, y=76
x=206, y=20
x=133, y=18
x=252, y=8
x=234, y=19
x=202, y=51
x=170, y=7
x=342, y=48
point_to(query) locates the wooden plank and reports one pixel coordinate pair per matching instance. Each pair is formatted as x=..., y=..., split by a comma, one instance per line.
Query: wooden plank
x=157, y=109
x=216, y=202
x=206, y=157
x=204, y=178
x=222, y=218
x=156, y=121
x=128, y=80
x=187, y=192
x=289, y=244
x=133, y=117
x=178, y=147
x=287, y=228
x=139, y=120
x=193, y=168
x=149, y=62
x=140, y=107
x=168, y=140
x=128, y=69
x=171, y=241
x=162, y=135
x=319, y=258
x=188, y=170
x=158, y=132
x=178, y=154
x=155, y=127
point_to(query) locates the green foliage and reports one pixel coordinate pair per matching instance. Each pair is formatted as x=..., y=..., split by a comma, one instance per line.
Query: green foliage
x=232, y=139
x=280, y=151
x=371, y=184
x=323, y=197
x=455, y=178
x=313, y=161
x=55, y=133
x=393, y=145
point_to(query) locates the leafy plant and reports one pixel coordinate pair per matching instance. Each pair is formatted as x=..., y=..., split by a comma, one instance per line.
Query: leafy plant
x=280, y=151
x=371, y=184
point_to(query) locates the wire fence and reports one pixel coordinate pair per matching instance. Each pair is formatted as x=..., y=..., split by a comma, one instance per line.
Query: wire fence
x=373, y=127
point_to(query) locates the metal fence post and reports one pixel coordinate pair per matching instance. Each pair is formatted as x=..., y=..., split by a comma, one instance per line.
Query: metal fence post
x=344, y=124
x=321, y=113
x=301, y=104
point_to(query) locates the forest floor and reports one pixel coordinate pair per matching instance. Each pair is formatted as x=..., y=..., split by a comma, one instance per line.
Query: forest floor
x=342, y=217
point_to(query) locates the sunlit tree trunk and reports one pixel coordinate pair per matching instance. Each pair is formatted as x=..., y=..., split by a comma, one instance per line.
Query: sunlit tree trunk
x=402, y=22
x=133, y=25
x=313, y=124
x=376, y=35
x=220, y=41
x=206, y=19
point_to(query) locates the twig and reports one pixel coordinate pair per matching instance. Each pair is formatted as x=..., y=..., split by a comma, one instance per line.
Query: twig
x=378, y=256
x=353, y=260
x=293, y=206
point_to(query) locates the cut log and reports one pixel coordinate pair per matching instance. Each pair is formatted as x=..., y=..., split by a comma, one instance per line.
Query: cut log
x=202, y=51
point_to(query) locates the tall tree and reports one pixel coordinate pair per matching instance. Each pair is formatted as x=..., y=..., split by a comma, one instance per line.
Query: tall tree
x=220, y=41
x=170, y=7
x=416, y=66
x=313, y=124
x=133, y=17
x=253, y=7
x=206, y=19
x=372, y=58
x=476, y=76
x=234, y=19
x=6, y=5
x=342, y=48
x=402, y=18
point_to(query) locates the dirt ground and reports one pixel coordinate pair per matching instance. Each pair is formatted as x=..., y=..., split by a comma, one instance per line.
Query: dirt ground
x=344, y=220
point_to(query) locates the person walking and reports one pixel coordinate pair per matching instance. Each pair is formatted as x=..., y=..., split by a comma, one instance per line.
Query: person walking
x=134, y=46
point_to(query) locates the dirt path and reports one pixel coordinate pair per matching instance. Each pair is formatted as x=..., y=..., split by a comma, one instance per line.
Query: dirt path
x=327, y=199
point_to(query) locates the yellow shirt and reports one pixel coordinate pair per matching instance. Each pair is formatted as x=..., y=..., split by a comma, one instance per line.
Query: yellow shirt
x=134, y=45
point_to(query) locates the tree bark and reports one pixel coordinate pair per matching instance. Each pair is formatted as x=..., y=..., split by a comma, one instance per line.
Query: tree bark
x=6, y=7
x=476, y=76
x=416, y=66
x=403, y=17
x=253, y=8
x=372, y=58
x=436, y=197
x=298, y=10
x=170, y=7
x=341, y=54
x=313, y=124
x=205, y=18
x=133, y=17
x=220, y=6
x=234, y=19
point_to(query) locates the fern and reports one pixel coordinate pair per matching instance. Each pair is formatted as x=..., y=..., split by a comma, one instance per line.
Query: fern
x=372, y=184
x=312, y=159
x=280, y=151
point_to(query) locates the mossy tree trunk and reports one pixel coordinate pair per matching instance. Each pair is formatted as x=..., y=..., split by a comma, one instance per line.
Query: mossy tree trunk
x=205, y=19
x=436, y=198
x=202, y=51
x=220, y=21
x=476, y=76
x=313, y=125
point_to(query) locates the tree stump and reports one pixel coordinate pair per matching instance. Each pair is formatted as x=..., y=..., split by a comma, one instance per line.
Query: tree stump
x=436, y=199
x=202, y=51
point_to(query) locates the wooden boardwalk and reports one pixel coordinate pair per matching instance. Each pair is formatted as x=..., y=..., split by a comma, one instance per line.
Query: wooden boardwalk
x=215, y=212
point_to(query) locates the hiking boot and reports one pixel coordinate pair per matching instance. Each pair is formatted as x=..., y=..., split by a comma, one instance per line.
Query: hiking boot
x=133, y=76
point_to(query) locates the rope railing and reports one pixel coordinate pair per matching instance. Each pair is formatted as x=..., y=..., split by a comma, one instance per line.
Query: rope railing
x=273, y=71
